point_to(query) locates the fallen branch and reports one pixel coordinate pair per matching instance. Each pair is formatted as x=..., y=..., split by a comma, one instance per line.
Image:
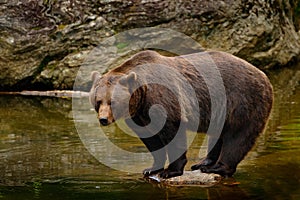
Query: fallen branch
x=53, y=93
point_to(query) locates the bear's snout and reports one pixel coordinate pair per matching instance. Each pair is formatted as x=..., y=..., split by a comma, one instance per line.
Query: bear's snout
x=103, y=121
x=105, y=115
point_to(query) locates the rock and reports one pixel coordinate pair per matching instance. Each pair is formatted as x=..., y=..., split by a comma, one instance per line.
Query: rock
x=61, y=74
x=43, y=43
x=189, y=178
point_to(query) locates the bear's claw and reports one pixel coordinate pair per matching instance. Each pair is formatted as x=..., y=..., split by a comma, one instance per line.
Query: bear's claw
x=151, y=171
x=169, y=174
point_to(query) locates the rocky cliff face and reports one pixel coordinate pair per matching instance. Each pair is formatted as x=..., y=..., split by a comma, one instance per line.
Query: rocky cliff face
x=43, y=42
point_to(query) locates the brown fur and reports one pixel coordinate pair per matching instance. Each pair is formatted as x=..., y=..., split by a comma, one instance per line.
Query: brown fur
x=248, y=105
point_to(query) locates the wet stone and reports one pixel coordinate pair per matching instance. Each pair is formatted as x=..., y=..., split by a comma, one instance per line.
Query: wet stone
x=189, y=178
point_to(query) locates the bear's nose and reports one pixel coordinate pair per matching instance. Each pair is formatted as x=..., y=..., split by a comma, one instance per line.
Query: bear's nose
x=103, y=121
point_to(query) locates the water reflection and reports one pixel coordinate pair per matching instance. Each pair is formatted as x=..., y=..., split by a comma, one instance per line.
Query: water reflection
x=39, y=144
x=39, y=141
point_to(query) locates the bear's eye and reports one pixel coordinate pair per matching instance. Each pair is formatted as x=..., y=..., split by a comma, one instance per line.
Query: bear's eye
x=97, y=106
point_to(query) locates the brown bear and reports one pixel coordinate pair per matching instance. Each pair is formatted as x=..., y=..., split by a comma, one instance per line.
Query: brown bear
x=166, y=96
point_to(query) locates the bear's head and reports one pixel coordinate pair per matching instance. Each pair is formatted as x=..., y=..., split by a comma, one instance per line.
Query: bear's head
x=111, y=96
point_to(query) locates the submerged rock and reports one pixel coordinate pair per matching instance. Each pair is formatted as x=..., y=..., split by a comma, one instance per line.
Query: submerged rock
x=43, y=43
x=189, y=178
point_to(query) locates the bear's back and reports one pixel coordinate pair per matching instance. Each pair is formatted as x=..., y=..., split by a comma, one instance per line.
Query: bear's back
x=140, y=58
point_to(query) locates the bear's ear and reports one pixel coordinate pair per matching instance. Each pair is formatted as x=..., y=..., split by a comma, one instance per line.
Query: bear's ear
x=95, y=75
x=128, y=79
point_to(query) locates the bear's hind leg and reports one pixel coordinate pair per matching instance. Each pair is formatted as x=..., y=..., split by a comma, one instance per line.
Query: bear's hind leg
x=214, y=148
x=235, y=147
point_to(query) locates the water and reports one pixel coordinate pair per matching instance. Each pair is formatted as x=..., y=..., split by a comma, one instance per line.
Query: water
x=42, y=156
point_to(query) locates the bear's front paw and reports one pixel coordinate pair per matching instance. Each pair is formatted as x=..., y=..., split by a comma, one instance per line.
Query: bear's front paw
x=169, y=173
x=151, y=171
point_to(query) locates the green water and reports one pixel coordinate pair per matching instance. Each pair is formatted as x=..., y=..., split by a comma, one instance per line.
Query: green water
x=42, y=156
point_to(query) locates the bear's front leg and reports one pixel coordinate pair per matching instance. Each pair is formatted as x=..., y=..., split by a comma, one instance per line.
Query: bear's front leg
x=158, y=151
x=175, y=168
x=160, y=158
x=176, y=150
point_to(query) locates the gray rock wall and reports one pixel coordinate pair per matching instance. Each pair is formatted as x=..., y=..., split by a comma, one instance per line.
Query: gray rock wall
x=43, y=42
